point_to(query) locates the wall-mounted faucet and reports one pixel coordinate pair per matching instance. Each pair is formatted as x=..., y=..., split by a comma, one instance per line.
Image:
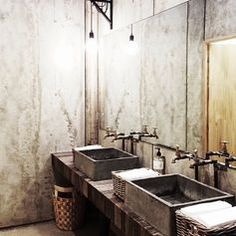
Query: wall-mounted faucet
x=228, y=158
x=110, y=132
x=181, y=155
x=222, y=152
x=197, y=161
x=123, y=137
x=145, y=129
x=120, y=136
x=133, y=136
x=116, y=136
x=145, y=133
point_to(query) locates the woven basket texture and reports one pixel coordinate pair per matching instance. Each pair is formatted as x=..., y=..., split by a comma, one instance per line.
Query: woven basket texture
x=118, y=186
x=67, y=211
x=187, y=226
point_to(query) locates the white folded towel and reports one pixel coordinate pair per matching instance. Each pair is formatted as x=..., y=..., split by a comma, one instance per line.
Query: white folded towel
x=88, y=147
x=139, y=173
x=217, y=217
x=205, y=207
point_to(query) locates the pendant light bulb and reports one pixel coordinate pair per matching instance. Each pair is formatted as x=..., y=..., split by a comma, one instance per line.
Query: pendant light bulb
x=131, y=37
x=91, y=35
x=91, y=44
x=132, y=45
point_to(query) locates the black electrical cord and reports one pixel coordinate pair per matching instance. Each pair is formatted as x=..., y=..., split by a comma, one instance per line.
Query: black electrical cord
x=91, y=34
x=91, y=16
x=131, y=37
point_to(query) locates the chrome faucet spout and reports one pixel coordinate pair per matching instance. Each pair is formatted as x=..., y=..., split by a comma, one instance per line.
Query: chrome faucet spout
x=184, y=155
x=144, y=133
x=110, y=133
x=202, y=162
x=121, y=136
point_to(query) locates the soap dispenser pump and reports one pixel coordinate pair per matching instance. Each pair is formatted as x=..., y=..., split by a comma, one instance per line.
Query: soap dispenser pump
x=159, y=162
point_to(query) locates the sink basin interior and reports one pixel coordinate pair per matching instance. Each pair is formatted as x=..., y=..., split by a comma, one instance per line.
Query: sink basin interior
x=98, y=164
x=177, y=189
x=157, y=199
x=105, y=154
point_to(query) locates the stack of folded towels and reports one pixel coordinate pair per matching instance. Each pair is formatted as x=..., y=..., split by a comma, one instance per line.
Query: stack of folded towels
x=137, y=173
x=88, y=147
x=211, y=214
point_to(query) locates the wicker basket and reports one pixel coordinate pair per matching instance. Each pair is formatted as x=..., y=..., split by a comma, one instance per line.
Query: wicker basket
x=186, y=226
x=119, y=183
x=66, y=208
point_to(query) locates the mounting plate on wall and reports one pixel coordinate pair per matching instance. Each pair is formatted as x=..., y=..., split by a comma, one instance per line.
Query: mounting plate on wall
x=105, y=7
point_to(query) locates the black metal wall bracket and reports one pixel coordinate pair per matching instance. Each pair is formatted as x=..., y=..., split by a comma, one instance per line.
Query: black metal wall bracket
x=109, y=16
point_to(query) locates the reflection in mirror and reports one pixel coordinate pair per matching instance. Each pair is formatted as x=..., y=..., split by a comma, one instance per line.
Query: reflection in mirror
x=221, y=95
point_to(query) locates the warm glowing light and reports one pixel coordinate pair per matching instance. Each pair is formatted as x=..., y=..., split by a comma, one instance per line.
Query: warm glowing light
x=91, y=45
x=225, y=42
x=64, y=55
x=132, y=47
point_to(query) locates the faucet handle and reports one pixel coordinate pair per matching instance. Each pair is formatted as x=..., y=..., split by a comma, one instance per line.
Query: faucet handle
x=145, y=129
x=224, y=146
x=195, y=153
x=177, y=152
x=224, y=141
x=108, y=129
x=155, y=132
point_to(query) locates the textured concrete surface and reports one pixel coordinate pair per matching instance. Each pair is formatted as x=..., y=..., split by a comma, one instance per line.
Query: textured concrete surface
x=126, y=12
x=41, y=100
x=162, y=5
x=220, y=19
x=91, y=85
x=119, y=83
x=163, y=75
x=195, y=76
x=144, y=152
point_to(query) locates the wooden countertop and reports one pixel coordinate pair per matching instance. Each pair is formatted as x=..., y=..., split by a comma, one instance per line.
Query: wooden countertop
x=101, y=194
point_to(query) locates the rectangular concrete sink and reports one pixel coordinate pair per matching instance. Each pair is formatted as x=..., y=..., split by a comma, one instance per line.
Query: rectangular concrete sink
x=157, y=199
x=97, y=164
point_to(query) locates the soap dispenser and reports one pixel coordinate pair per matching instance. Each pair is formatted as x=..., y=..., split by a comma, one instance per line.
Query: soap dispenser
x=159, y=162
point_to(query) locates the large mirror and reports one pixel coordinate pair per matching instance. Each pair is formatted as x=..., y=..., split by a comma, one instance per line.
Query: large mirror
x=149, y=87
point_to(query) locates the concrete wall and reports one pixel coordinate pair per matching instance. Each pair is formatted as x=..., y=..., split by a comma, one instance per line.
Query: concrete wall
x=163, y=85
x=41, y=100
x=220, y=18
x=91, y=86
